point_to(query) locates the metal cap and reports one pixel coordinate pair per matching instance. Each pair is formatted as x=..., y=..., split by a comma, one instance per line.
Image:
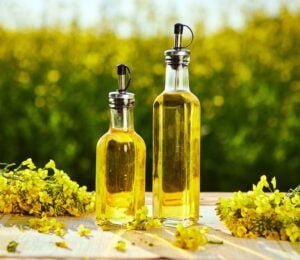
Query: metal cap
x=179, y=55
x=176, y=57
x=121, y=98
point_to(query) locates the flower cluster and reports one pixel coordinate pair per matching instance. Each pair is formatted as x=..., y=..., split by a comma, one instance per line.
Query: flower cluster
x=141, y=221
x=190, y=237
x=36, y=191
x=272, y=215
x=46, y=225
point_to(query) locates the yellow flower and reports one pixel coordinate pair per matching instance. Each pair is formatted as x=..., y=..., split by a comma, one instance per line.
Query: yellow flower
x=60, y=232
x=121, y=246
x=50, y=165
x=262, y=183
x=83, y=231
x=272, y=235
x=240, y=231
x=42, y=173
x=142, y=222
x=272, y=215
x=293, y=232
x=252, y=234
x=29, y=164
x=53, y=76
x=2, y=204
x=62, y=244
x=3, y=183
x=273, y=181
x=30, y=190
x=45, y=197
x=45, y=225
x=190, y=237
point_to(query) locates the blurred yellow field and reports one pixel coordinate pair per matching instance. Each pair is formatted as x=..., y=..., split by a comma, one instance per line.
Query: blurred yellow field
x=54, y=85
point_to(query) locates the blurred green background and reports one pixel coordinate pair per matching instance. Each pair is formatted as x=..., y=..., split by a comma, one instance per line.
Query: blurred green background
x=54, y=84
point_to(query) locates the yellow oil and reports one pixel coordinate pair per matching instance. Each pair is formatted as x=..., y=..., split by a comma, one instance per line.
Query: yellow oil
x=176, y=157
x=120, y=176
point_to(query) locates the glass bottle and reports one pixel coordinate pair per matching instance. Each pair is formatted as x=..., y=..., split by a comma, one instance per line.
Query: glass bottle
x=176, y=142
x=120, y=161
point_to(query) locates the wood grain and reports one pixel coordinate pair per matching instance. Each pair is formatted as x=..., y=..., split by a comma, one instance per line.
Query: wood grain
x=155, y=244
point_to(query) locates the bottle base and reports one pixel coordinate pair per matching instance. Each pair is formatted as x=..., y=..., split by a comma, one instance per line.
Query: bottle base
x=173, y=222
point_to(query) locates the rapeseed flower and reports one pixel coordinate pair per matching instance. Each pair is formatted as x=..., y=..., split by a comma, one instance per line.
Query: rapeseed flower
x=121, y=246
x=273, y=215
x=141, y=221
x=190, y=237
x=83, y=231
x=46, y=225
x=27, y=189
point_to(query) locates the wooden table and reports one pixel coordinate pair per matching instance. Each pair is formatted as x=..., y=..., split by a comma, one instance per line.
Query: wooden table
x=140, y=244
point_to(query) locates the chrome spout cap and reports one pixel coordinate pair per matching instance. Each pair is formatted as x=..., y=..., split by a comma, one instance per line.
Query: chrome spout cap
x=178, y=30
x=121, y=98
x=121, y=71
x=179, y=55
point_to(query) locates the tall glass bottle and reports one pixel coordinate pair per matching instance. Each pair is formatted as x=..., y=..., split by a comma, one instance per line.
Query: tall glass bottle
x=176, y=142
x=120, y=161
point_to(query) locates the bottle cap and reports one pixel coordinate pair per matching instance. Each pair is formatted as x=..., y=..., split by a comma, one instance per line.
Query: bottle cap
x=121, y=98
x=179, y=55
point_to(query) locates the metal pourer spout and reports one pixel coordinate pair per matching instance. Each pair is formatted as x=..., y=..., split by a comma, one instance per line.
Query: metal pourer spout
x=121, y=98
x=121, y=70
x=178, y=29
x=179, y=55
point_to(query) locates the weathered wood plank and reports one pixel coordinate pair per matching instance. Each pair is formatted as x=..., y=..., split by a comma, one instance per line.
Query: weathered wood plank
x=140, y=244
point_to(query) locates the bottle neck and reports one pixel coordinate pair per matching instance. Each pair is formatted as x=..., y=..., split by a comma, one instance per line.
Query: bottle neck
x=177, y=78
x=122, y=118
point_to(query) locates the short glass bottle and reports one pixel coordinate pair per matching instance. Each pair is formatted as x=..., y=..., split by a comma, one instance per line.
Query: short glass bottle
x=120, y=162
